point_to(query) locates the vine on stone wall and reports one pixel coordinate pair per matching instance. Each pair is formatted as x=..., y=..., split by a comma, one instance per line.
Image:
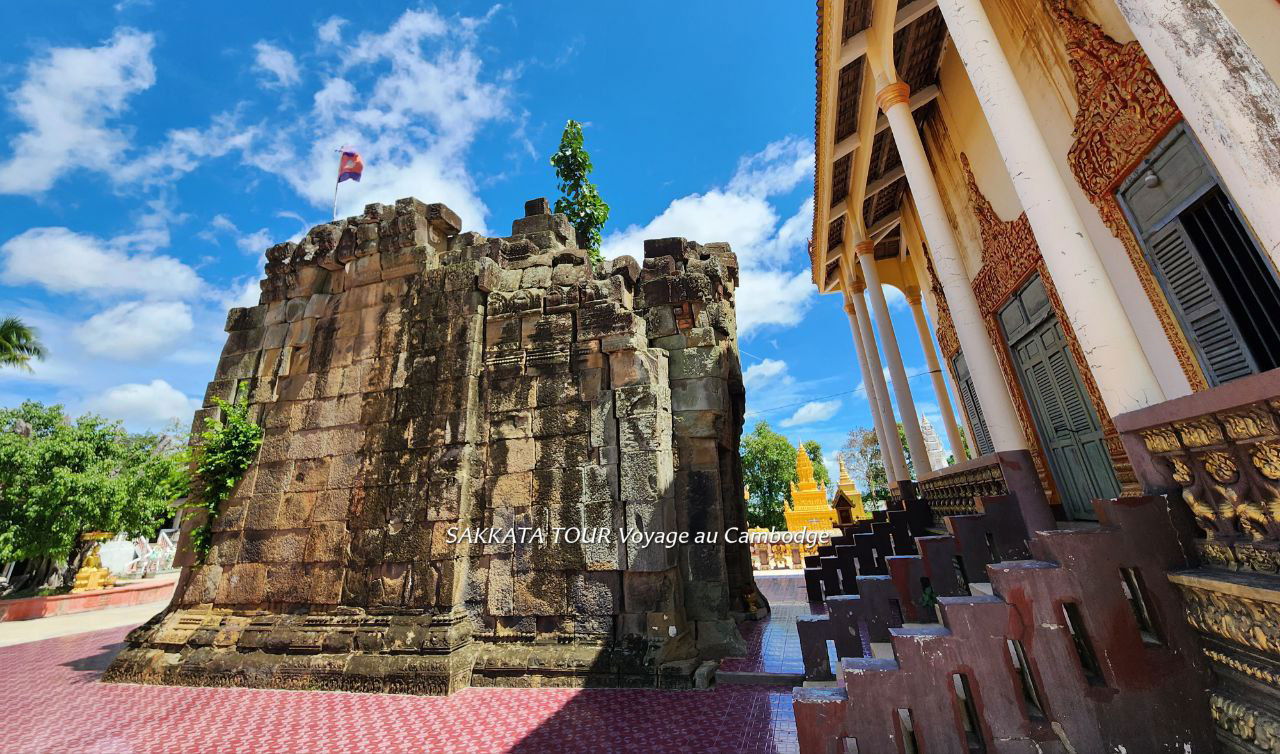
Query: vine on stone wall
x=229, y=445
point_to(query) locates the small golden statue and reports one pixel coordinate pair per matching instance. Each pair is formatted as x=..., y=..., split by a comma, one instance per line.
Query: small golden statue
x=92, y=576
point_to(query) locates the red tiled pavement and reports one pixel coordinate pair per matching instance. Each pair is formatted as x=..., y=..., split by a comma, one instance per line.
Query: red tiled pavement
x=51, y=701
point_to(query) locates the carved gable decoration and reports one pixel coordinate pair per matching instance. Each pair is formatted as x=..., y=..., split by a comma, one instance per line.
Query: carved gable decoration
x=1123, y=111
x=1009, y=249
x=1123, y=107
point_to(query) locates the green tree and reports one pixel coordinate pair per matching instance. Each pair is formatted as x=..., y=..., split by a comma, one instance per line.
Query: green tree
x=768, y=469
x=18, y=344
x=863, y=460
x=964, y=444
x=581, y=201
x=906, y=451
x=820, y=474
x=61, y=478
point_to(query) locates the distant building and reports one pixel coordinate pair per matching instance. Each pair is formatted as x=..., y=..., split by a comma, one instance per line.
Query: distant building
x=932, y=445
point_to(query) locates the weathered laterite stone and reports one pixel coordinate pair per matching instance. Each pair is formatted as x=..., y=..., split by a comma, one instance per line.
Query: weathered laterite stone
x=414, y=381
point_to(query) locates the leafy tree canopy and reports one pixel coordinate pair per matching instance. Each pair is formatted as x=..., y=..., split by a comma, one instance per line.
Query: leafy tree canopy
x=60, y=478
x=581, y=201
x=768, y=469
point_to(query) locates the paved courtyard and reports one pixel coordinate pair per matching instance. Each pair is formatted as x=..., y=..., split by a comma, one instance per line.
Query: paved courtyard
x=53, y=702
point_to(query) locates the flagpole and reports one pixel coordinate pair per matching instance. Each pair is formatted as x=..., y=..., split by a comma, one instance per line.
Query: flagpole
x=337, y=180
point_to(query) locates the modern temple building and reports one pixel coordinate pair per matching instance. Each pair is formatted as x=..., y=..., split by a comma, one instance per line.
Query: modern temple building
x=1079, y=200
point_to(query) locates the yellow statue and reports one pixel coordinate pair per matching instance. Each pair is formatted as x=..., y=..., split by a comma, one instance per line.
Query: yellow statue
x=92, y=576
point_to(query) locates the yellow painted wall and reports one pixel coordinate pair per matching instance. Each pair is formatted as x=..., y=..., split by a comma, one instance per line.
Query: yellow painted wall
x=1034, y=45
x=1258, y=21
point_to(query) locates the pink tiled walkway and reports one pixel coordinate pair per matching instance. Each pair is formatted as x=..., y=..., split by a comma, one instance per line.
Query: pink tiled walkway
x=52, y=702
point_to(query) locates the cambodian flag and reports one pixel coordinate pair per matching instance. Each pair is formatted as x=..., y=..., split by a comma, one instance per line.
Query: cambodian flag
x=350, y=167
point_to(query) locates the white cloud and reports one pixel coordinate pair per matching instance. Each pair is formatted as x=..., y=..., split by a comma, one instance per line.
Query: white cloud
x=772, y=291
x=67, y=102
x=330, y=32
x=425, y=95
x=812, y=412
x=183, y=150
x=67, y=262
x=278, y=63
x=151, y=405
x=760, y=374
x=776, y=169
x=772, y=297
x=134, y=330
x=255, y=242
x=244, y=293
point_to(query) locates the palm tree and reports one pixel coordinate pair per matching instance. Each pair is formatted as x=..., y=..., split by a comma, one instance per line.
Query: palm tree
x=18, y=344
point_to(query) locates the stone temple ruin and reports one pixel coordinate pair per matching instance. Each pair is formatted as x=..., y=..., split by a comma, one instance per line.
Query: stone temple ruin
x=414, y=381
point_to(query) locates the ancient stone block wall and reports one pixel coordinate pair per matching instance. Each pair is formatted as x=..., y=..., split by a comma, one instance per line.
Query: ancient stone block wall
x=413, y=382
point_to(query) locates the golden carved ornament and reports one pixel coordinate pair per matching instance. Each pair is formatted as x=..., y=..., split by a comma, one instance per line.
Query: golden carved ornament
x=1247, y=622
x=948, y=342
x=1181, y=474
x=1198, y=433
x=1009, y=249
x=1221, y=467
x=1254, y=421
x=1246, y=723
x=1124, y=111
x=1160, y=440
x=1240, y=666
x=1266, y=459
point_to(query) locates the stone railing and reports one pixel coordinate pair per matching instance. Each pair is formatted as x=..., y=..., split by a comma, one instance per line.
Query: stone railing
x=1218, y=450
x=953, y=491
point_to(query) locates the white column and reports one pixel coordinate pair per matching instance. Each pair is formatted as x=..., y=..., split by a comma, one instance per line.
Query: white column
x=1106, y=336
x=892, y=448
x=1226, y=95
x=901, y=387
x=979, y=352
x=877, y=419
x=935, y=374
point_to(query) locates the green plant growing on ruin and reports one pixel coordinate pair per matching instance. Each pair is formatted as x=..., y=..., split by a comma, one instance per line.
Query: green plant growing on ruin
x=581, y=202
x=228, y=446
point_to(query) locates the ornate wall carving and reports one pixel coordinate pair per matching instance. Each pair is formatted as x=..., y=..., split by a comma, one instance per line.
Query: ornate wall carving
x=1124, y=111
x=1226, y=466
x=1010, y=255
x=946, y=332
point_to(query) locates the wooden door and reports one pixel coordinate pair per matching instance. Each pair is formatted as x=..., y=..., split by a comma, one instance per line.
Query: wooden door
x=1065, y=419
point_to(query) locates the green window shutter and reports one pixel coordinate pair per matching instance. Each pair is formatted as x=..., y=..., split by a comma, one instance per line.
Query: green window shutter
x=973, y=409
x=1195, y=300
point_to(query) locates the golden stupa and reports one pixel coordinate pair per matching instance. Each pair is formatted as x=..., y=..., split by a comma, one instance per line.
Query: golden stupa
x=809, y=508
x=848, y=501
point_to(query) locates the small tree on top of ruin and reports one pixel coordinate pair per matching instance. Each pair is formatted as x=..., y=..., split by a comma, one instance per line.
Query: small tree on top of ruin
x=581, y=202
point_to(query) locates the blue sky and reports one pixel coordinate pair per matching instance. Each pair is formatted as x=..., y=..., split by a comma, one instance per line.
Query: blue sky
x=155, y=149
